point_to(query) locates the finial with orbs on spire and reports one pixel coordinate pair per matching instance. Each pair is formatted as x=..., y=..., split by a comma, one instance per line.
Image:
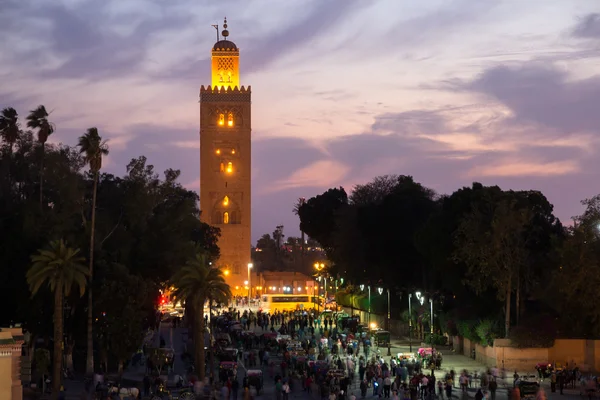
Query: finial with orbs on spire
x=225, y=32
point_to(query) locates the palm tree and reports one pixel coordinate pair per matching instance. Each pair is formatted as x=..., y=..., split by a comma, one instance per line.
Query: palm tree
x=61, y=268
x=38, y=119
x=9, y=127
x=299, y=203
x=94, y=148
x=194, y=283
x=215, y=295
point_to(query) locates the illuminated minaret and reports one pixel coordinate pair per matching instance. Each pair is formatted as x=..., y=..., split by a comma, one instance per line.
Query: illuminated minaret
x=225, y=160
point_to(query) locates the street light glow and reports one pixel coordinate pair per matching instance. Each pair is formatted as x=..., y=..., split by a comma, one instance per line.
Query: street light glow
x=362, y=287
x=380, y=290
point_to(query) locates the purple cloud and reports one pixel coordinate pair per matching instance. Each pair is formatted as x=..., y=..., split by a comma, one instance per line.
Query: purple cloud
x=588, y=27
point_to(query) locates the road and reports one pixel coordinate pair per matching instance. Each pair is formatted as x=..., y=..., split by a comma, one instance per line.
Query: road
x=177, y=337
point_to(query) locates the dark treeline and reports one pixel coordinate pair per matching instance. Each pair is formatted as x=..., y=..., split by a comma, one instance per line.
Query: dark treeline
x=482, y=253
x=146, y=226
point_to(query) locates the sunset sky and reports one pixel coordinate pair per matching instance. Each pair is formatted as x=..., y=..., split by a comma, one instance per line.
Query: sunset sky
x=448, y=91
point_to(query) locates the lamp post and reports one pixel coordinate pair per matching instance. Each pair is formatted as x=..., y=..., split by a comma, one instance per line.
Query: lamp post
x=362, y=287
x=409, y=323
x=387, y=321
x=319, y=266
x=431, y=323
x=249, y=283
x=318, y=294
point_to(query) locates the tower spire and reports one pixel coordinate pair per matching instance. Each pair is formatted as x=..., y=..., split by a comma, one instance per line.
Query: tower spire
x=217, y=28
x=225, y=32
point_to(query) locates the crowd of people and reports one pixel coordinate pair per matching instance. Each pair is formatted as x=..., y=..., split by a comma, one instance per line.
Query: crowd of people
x=307, y=351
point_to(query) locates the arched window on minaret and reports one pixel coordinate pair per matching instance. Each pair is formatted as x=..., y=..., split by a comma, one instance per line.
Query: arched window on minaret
x=222, y=168
x=221, y=119
x=225, y=217
x=230, y=119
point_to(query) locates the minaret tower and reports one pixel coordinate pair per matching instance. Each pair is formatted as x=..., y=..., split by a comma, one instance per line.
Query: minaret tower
x=225, y=161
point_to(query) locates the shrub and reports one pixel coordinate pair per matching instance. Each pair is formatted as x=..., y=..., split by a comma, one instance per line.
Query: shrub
x=487, y=331
x=438, y=340
x=466, y=329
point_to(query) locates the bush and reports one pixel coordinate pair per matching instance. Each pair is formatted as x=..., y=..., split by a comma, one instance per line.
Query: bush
x=487, y=331
x=466, y=329
x=438, y=340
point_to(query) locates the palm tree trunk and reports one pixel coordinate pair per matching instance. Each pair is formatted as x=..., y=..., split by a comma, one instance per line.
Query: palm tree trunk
x=58, y=340
x=518, y=300
x=43, y=150
x=507, y=309
x=89, y=370
x=302, y=251
x=199, y=345
x=211, y=353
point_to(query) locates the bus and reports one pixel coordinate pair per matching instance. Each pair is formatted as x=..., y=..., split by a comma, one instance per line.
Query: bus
x=287, y=302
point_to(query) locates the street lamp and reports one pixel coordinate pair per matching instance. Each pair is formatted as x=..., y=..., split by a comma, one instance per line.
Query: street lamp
x=362, y=287
x=409, y=323
x=387, y=324
x=431, y=323
x=249, y=283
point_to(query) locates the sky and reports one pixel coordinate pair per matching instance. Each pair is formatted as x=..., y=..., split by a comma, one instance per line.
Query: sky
x=503, y=92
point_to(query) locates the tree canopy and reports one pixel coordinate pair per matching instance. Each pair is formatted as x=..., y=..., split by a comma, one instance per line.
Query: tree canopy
x=480, y=252
x=147, y=226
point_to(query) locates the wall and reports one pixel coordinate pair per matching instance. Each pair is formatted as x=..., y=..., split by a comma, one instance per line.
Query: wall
x=584, y=353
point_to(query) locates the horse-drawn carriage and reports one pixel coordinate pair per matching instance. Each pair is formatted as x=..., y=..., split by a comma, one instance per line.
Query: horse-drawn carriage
x=528, y=389
x=544, y=370
x=254, y=377
x=227, y=369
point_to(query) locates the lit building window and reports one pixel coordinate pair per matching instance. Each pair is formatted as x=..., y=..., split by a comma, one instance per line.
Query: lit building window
x=222, y=168
x=229, y=167
x=226, y=201
x=229, y=77
x=218, y=151
x=221, y=119
x=230, y=120
x=225, y=217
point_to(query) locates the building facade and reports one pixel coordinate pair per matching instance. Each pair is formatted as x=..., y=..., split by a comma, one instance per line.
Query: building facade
x=11, y=342
x=225, y=161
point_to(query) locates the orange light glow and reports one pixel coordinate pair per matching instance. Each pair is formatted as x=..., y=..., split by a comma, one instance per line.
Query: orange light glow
x=225, y=201
x=229, y=167
x=237, y=287
x=230, y=119
x=232, y=151
x=226, y=272
x=221, y=119
x=218, y=151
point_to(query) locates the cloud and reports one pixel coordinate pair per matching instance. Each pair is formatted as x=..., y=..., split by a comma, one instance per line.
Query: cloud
x=588, y=27
x=322, y=16
x=525, y=168
x=320, y=174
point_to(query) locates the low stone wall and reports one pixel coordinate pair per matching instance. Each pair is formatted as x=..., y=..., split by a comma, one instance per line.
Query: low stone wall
x=581, y=352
